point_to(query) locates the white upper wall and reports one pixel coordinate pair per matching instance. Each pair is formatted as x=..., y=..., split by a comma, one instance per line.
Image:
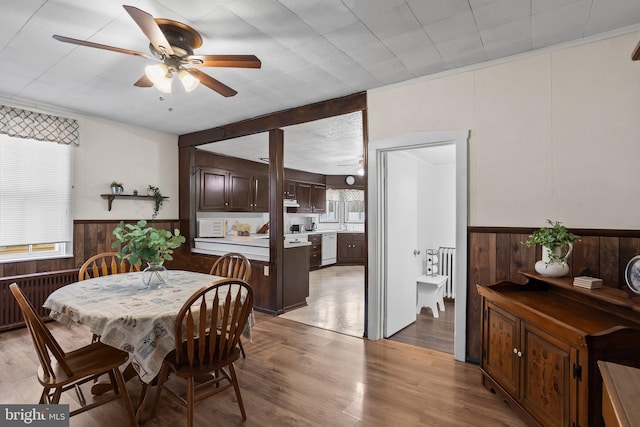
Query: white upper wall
x=553, y=134
x=136, y=157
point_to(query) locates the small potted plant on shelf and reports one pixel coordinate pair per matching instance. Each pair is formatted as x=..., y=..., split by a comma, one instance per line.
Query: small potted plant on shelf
x=154, y=246
x=557, y=244
x=116, y=187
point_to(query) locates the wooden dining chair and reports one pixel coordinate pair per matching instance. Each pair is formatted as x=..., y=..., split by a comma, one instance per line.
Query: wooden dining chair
x=232, y=265
x=236, y=266
x=105, y=264
x=61, y=371
x=207, y=331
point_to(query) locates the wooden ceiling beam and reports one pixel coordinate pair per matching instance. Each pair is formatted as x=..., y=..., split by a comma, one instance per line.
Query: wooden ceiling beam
x=292, y=116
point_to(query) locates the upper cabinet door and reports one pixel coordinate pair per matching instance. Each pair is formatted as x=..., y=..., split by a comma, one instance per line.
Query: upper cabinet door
x=319, y=198
x=240, y=194
x=261, y=193
x=213, y=183
x=290, y=190
x=303, y=193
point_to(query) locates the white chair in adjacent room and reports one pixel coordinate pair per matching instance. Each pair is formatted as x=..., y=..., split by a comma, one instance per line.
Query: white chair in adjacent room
x=430, y=293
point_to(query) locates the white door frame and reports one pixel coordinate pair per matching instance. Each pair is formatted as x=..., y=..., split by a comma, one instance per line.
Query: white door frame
x=377, y=229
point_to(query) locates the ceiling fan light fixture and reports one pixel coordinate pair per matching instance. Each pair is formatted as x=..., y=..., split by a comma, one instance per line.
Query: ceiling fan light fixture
x=164, y=84
x=189, y=81
x=156, y=72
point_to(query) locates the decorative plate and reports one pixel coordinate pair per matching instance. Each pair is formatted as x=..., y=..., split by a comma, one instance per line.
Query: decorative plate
x=632, y=274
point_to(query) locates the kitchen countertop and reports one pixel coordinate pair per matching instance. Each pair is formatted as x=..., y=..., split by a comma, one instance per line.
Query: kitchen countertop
x=253, y=248
x=307, y=233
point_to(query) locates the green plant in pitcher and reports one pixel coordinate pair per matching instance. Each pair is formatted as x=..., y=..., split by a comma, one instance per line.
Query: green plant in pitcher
x=142, y=243
x=555, y=236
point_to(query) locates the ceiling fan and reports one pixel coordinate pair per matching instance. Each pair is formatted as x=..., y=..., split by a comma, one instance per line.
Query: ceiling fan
x=360, y=165
x=172, y=43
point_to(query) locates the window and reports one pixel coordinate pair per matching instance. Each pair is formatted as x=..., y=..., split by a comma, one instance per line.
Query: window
x=353, y=205
x=344, y=206
x=333, y=202
x=36, y=219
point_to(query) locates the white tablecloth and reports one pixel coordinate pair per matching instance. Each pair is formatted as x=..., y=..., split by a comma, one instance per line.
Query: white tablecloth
x=129, y=316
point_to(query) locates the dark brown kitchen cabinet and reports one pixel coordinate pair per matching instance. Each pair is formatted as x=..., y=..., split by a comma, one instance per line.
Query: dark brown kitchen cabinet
x=239, y=192
x=213, y=190
x=222, y=190
x=351, y=248
x=311, y=197
x=541, y=342
x=261, y=193
x=290, y=190
x=295, y=280
x=319, y=198
x=315, y=251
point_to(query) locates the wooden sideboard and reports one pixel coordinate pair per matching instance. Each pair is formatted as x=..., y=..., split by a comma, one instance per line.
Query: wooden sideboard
x=541, y=341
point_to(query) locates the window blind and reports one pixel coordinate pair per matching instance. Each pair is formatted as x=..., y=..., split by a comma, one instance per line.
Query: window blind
x=333, y=195
x=36, y=180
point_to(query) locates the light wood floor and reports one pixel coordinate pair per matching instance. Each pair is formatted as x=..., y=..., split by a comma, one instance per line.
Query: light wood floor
x=298, y=375
x=336, y=303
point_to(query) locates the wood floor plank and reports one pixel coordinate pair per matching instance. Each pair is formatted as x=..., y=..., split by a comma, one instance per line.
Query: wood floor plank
x=298, y=375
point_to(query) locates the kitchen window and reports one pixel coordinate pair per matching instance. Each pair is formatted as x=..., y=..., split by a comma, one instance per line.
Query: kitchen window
x=353, y=205
x=344, y=206
x=332, y=213
x=36, y=217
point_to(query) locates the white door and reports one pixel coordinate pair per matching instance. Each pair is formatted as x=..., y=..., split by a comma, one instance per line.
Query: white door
x=402, y=264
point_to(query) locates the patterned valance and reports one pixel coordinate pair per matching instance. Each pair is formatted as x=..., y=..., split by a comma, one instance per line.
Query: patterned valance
x=42, y=127
x=354, y=195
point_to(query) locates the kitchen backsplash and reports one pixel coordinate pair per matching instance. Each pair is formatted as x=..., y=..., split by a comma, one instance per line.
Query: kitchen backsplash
x=257, y=220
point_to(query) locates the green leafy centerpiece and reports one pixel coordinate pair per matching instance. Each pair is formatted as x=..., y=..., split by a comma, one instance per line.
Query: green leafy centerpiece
x=141, y=243
x=557, y=244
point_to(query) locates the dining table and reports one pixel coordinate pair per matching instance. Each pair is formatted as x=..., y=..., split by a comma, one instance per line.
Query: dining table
x=130, y=316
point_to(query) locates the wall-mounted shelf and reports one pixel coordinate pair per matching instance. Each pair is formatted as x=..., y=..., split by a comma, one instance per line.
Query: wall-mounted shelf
x=110, y=197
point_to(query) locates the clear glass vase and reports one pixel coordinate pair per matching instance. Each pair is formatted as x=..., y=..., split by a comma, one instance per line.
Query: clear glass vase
x=155, y=276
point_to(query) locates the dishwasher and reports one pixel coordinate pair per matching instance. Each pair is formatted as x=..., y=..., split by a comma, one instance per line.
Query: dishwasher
x=329, y=248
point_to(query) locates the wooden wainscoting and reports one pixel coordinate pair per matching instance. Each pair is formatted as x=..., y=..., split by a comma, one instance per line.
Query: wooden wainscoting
x=89, y=238
x=496, y=253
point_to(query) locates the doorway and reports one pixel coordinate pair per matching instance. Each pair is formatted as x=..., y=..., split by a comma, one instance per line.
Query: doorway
x=382, y=235
x=422, y=186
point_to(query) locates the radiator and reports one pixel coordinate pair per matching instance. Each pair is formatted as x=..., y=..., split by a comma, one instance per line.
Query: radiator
x=447, y=268
x=36, y=288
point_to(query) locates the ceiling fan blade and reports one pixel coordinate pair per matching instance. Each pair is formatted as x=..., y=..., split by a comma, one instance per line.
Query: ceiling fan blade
x=150, y=28
x=143, y=82
x=236, y=61
x=212, y=83
x=99, y=46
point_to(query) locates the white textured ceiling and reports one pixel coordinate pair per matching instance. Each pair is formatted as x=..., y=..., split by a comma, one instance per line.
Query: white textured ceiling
x=311, y=50
x=330, y=146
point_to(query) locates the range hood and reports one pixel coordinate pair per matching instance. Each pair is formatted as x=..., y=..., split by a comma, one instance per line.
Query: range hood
x=291, y=203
